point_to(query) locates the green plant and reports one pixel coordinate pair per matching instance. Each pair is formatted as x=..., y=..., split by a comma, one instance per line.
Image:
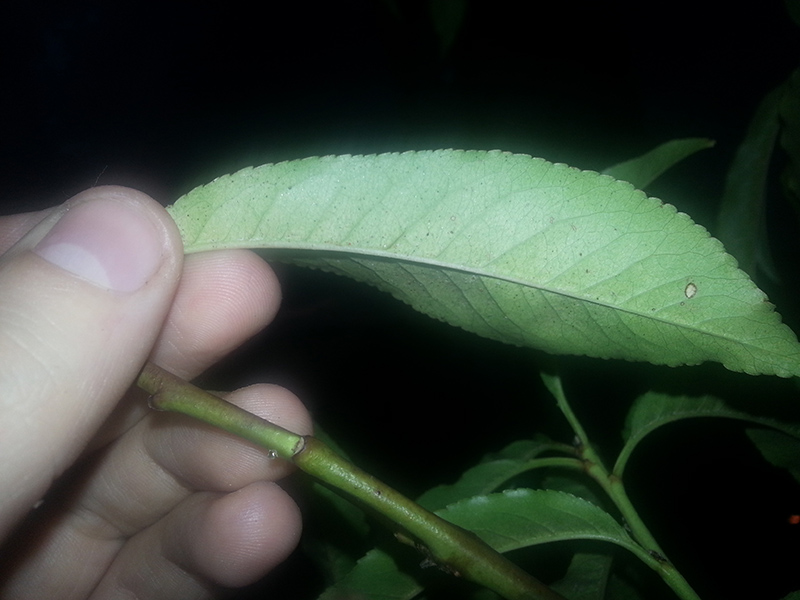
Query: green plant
x=537, y=255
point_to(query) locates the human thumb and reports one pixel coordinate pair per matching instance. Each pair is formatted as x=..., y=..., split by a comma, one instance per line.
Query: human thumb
x=82, y=298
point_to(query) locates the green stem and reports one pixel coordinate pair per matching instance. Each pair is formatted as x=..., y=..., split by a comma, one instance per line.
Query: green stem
x=613, y=486
x=557, y=462
x=457, y=550
x=615, y=489
x=171, y=393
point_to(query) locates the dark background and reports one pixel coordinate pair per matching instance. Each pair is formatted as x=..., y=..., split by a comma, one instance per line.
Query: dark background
x=163, y=96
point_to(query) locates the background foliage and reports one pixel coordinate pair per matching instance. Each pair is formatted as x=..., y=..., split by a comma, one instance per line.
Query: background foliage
x=163, y=96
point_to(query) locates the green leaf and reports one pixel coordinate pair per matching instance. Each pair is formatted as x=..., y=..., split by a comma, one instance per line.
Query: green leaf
x=621, y=589
x=790, y=138
x=480, y=479
x=779, y=449
x=741, y=221
x=490, y=475
x=519, y=518
x=509, y=247
x=643, y=170
x=586, y=577
x=528, y=449
x=653, y=410
x=377, y=577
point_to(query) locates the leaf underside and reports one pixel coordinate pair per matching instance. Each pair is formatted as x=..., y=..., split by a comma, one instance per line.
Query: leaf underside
x=653, y=410
x=510, y=247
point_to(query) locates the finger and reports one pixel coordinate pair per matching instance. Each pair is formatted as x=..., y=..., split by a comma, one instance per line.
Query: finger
x=224, y=298
x=13, y=227
x=211, y=541
x=82, y=298
x=153, y=467
x=136, y=483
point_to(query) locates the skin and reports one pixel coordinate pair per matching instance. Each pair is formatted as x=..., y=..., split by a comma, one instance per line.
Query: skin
x=134, y=503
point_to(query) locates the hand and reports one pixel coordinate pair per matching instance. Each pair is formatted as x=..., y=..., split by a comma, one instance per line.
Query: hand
x=130, y=502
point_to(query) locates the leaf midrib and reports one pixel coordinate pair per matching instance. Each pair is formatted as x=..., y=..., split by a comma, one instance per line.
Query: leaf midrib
x=429, y=262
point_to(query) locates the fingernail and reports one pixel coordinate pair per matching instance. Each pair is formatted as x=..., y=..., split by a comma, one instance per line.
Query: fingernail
x=106, y=243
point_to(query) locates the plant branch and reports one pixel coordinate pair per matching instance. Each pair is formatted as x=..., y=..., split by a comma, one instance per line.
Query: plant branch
x=453, y=548
x=613, y=486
